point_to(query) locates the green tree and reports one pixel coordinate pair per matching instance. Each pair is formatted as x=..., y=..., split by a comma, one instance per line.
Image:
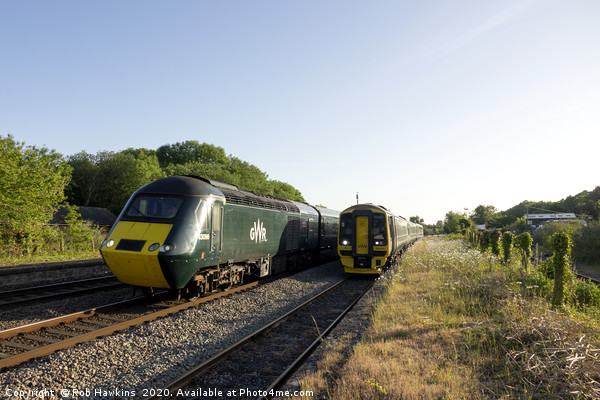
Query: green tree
x=451, y=222
x=83, y=186
x=108, y=179
x=250, y=177
x=121, y=174
x=586, y=243
x=417, y=220
x=482, y=215
x=456, y=223
x=32, y=186
x=191, y=151
x=286, y=191
x=520, y=224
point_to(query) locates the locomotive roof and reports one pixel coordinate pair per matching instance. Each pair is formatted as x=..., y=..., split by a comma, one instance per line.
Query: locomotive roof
x=182, y=185
x=241, y=197
x=369, y=206
x=197, y=186
x=366, y=206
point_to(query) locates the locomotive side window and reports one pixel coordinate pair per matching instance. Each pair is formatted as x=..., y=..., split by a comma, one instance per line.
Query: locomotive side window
x=346, y=227
x=379, y=230
x=154, y=207
x=202, y=221
x=216, y=221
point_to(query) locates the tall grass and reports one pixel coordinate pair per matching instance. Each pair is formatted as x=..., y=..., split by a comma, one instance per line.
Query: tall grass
x=456, y=323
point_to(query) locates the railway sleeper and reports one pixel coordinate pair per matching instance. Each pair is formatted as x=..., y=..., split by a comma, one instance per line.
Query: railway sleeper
x=42, y=339
x=16, y=345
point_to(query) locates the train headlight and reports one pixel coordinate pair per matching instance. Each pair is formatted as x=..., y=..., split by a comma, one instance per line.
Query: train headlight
x=345, y=243
x=110, y=243
x=153, y=247
x=165, y=248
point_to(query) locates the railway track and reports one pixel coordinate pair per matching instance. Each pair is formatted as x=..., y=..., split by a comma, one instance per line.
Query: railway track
x=586, y=277
x=24, y=343
x=19, y=297
x=256, y=365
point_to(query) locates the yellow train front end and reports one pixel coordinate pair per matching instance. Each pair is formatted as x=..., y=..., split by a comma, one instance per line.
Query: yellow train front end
x=128, y=254
x=364, y=243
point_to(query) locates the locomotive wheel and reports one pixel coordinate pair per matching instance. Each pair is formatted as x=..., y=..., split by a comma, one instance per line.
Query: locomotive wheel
x=148, y=292
x=191, y=293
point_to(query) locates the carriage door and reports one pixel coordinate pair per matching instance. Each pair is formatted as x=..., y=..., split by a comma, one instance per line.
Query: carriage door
x=216, y=237
x=361, y=223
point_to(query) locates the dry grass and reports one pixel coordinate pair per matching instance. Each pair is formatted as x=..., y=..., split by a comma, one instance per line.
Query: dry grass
x=455, y=324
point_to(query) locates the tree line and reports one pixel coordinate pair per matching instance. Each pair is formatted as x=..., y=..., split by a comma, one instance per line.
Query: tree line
x=107, y=179
x=584, y=232
x=36, y=181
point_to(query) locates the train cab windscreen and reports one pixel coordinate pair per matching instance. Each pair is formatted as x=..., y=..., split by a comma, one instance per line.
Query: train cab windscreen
x=154, y=207
x=346, y=229
x=379, y=230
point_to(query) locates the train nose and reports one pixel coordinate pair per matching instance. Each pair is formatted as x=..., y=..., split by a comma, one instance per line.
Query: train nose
x=135, y=261
x=362, y=262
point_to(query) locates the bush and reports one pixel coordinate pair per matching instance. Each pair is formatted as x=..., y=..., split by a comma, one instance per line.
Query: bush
x=539, y=282
x=523, y=244
x=561, y=245
x=544, y=235
x=586, y=294
x=585, y=246
x=495, y=242
x=508, y=240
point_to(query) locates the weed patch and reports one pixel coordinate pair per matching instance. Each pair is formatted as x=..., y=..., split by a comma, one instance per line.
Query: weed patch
x=456, y=323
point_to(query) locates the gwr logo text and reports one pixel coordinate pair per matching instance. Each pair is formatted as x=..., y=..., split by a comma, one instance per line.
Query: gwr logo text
x=258, y=232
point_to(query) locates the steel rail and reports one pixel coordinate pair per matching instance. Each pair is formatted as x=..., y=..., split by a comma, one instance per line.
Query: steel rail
x=52, y=286
x=205, y=366
x=298, y=361
x=56, y=290
x=588, y=278
x=13, y=360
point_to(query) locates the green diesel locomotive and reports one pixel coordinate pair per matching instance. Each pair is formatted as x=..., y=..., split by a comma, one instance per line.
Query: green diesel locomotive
x=196, y=235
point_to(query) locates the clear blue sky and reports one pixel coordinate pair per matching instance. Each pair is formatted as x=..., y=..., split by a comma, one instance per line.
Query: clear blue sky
x=421, y=106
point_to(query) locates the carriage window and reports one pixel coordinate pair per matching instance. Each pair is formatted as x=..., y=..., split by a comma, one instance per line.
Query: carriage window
x=154, y=207
x=379, y=230
x=346, y=227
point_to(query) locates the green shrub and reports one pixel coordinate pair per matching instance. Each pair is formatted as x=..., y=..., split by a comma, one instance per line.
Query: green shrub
x=585, y=247
x=561, y=246
x=546, y=267
x=586, y=294
x=523, y=244
x=495, y=242
x=507, y=245
x=539, y=283
x=544, y=235
x=484, y=242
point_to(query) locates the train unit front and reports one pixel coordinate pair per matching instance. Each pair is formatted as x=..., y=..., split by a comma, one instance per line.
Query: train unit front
x=168, y=230
x=371, y=238
x=364, y=243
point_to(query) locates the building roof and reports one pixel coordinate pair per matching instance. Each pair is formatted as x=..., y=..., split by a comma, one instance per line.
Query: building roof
x=551, y=216
x=94, y=215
